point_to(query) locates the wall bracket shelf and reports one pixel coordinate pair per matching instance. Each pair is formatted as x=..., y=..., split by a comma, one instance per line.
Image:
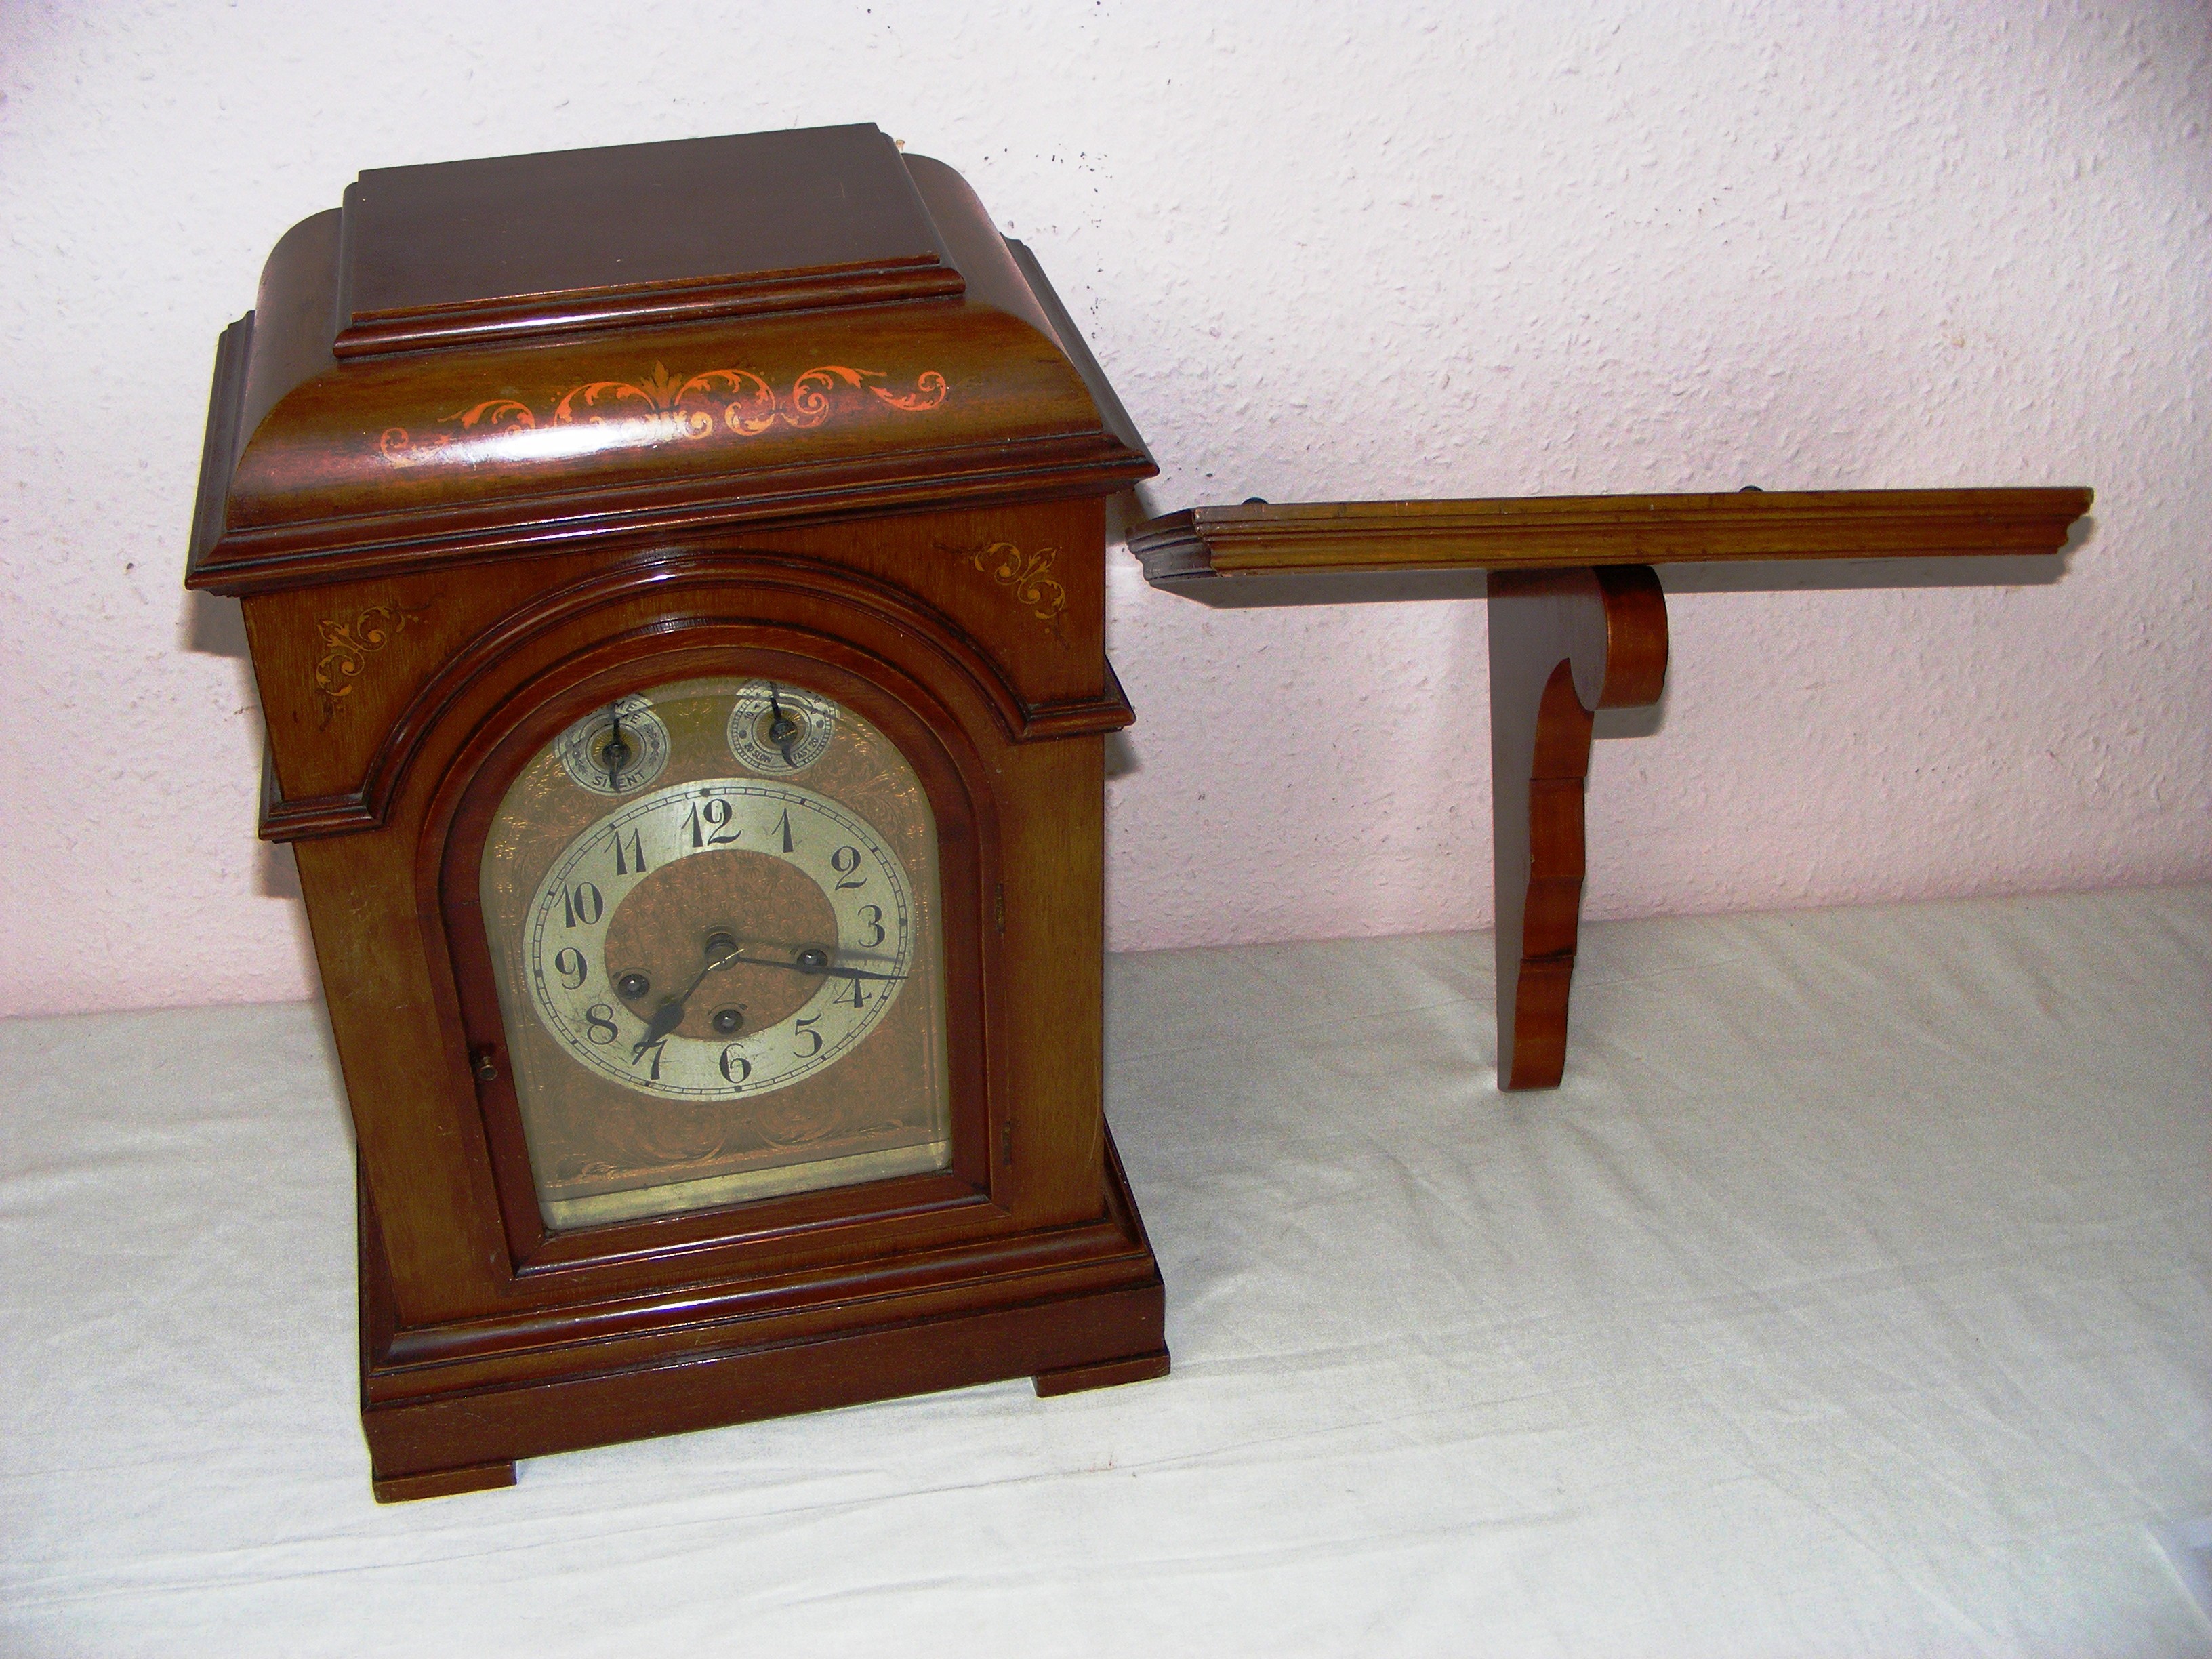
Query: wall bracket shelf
x=1577, y=622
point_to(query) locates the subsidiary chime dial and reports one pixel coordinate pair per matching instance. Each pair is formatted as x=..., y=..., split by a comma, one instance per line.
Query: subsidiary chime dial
x=714, y=915
x=616, y=750
x=780, y=728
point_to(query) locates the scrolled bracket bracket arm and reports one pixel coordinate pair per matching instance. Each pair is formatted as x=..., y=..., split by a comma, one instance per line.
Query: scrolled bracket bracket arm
x=1563, y=644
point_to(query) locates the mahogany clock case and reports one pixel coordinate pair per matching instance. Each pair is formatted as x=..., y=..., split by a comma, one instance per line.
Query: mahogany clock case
x=461, y=517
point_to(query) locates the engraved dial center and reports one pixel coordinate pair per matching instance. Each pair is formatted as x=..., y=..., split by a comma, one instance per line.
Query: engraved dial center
x=767, y=907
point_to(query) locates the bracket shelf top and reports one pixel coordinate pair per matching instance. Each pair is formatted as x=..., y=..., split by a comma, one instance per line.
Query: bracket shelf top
x=1185, y=551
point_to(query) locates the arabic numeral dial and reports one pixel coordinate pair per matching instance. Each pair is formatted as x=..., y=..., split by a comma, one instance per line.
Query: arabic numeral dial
x=720, y=939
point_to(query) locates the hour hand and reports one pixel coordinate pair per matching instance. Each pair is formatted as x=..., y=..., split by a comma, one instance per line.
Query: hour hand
x=721, y=951
x=665, y=1019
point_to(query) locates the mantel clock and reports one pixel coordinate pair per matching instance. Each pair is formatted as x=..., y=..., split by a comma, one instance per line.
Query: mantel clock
x=674, y=576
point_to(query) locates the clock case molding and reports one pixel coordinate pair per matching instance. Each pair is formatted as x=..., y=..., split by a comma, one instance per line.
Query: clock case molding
x=502, y=440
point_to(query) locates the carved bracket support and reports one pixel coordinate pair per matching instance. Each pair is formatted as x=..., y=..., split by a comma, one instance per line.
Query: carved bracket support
x=1563, y=644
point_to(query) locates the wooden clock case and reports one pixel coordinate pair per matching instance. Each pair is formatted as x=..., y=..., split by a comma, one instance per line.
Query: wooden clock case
x=502, y=440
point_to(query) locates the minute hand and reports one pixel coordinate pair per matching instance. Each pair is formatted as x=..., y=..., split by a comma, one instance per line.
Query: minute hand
x=802, y=968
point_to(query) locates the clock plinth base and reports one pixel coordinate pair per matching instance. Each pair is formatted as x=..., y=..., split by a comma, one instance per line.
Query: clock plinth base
x=1075, y=1308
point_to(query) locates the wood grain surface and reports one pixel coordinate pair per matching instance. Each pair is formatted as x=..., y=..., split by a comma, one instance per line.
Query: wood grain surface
x=449, y=553
x=1563, y=644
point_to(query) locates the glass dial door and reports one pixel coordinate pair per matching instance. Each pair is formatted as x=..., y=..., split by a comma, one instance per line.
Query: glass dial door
x=716, y=934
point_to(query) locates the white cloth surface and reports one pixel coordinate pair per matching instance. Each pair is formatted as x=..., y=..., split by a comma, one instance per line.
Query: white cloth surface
x=1854, y=1296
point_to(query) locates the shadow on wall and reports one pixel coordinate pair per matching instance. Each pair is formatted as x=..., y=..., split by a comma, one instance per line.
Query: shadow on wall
x=1124, y=508
x=1749, y=576
x=216, y=626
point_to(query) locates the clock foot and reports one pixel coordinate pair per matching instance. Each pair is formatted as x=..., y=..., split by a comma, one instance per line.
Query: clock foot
x=1074, y=1379
x=442, y=1483
x=1562, y=643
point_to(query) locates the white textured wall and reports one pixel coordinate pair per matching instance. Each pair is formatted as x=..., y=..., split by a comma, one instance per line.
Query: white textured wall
x=1329, y=250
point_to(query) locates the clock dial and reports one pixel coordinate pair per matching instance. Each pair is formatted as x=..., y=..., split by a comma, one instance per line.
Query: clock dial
x=718, y=940
x=616, y=750
x=719, y=983
x=780, y=728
